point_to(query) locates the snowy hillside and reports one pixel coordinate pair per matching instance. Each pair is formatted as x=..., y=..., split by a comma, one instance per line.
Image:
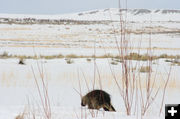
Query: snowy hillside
x=54, y=34
x=96, y=15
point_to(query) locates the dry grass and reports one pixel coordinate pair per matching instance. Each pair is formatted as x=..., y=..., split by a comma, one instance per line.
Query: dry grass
x=20, y=116
x=117, y=58
x=13, y=29
x=72, y=56
x=136, y=56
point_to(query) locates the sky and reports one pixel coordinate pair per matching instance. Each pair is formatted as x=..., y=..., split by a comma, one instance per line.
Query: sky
x=73, y=6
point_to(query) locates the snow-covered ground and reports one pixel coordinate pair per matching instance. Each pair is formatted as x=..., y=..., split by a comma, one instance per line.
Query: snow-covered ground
x=18, y=86
x=17, y=83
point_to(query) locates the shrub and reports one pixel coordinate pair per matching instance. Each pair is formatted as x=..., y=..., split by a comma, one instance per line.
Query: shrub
x=69, y=61
x=21, y=61
x=168, y=60
x=4, y=55
x=163, y=56
x=114, y=63
x=145, y=69
x=88, y=59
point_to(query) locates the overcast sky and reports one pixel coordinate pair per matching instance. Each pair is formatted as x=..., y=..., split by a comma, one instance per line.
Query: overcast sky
x=71, y=6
